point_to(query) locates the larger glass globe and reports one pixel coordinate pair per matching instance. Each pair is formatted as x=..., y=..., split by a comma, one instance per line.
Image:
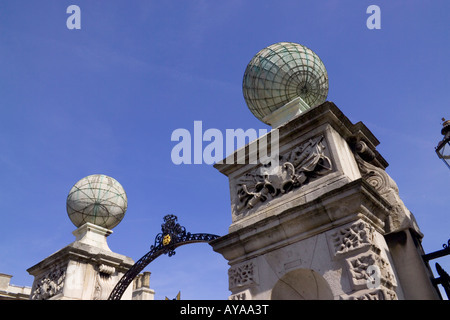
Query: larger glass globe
x=281, y=73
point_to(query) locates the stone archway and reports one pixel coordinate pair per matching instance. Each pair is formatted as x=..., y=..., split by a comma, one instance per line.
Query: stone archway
x=302, y=284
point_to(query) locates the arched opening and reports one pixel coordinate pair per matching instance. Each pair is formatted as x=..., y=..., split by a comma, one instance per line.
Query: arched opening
x=302, y=284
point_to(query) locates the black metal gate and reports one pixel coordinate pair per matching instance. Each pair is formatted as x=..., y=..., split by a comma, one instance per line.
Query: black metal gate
x=444, y=278
x=171, y=237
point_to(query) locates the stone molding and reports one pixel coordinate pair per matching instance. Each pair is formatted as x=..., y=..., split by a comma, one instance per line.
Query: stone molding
x=306, y=220
x=78, y=271
x=86, y=254
x=325, y=114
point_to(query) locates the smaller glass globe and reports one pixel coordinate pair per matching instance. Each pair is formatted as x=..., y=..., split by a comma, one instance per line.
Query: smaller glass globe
x=97, y=199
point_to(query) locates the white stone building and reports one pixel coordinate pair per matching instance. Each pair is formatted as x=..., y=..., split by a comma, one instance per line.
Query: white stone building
x=9, y=291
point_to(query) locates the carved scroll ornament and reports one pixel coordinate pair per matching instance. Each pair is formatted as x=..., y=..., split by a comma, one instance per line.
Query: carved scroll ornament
x=400, y=217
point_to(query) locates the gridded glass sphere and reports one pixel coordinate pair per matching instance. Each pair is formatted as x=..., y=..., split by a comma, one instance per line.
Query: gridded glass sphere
x=280, y=73
x=97, y=199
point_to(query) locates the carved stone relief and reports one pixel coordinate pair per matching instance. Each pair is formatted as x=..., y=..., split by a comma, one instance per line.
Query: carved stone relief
x=362, y=277
x=377, y=294
x=243, y=275
x=51, y=284
x=371, y=276
x=358, y=235
x=296, y=168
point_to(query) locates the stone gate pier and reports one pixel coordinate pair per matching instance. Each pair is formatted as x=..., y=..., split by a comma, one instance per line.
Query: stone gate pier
x=328, y=224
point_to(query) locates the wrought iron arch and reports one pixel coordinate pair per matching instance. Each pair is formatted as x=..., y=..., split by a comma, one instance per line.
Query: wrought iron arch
x=172, y=236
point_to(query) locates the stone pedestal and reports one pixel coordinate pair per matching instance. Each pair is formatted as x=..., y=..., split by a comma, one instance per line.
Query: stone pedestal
x=326, y=224
x=84, y=270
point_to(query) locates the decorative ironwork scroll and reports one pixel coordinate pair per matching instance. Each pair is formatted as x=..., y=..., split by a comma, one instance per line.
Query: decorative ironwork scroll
x=172, y=236
x=446, y=245
x=437, y=254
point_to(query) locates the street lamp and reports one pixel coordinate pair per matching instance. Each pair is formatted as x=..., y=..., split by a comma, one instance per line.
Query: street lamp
x=443, y=147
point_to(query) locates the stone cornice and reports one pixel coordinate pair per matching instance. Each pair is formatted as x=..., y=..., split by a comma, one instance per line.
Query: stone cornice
x=326, y=113
x=83, y=252
x=353, y=201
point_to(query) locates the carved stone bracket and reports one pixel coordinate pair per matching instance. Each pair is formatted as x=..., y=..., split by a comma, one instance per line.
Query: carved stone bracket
x=106, y=270
x=104, y=282
x=400, y=217
x=296, y=168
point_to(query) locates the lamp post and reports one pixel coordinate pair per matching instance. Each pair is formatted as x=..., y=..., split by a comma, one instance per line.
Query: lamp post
x=443, y=147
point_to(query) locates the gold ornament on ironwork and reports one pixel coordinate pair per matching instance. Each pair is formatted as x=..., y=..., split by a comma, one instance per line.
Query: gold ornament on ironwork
x=166, y=239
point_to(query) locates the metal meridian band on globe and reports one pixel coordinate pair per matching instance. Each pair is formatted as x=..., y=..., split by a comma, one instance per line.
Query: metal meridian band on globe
x=171, y=237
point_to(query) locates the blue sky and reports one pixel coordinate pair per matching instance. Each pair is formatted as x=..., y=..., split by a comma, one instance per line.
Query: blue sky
x=106, y=99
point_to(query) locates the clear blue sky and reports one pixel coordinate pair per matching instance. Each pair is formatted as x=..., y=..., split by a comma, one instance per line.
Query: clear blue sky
x=106, y=99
